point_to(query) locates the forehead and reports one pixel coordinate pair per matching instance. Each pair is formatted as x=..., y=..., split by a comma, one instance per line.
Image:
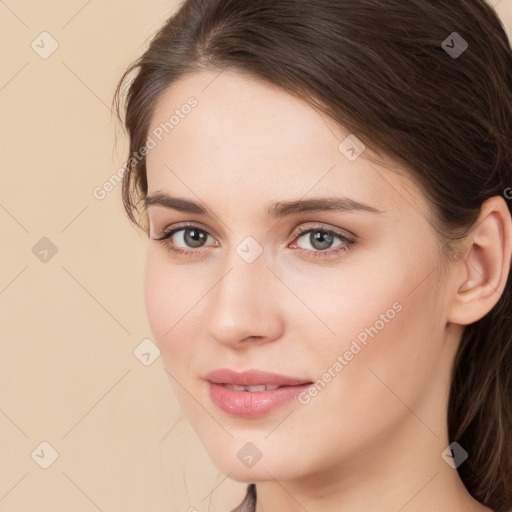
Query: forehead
x=246, y=137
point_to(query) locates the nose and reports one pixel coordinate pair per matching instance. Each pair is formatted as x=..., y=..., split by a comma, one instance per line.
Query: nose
x=244, y=306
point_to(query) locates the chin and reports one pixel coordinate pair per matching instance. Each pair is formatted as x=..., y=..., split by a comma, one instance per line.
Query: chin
x=262, y=470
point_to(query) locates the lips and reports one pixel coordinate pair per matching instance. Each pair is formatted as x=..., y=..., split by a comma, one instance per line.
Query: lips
x=253, y=393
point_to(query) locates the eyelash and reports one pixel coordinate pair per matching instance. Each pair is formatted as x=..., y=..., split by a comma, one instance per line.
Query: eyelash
x=329, y=253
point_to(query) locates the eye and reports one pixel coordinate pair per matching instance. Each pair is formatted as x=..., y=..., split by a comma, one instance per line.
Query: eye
x=321, y=241
x=190, y=235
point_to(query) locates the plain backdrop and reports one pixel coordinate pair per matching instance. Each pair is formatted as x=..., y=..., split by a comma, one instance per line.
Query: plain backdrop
x=88, y=419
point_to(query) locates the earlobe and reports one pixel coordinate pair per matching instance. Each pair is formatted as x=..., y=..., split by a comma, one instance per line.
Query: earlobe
x=483, y=271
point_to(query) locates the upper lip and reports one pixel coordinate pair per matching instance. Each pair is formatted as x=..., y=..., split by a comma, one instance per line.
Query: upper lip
x=251, y=378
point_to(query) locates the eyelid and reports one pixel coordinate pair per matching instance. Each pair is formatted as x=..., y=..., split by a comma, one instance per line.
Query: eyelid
x=321, y=226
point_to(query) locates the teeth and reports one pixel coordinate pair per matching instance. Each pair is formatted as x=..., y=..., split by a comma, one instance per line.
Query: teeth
x=252, y=389
x=235, y=388
x=261, y=387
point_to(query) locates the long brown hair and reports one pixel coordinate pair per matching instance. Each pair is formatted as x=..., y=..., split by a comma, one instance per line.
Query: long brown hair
x=395, y=74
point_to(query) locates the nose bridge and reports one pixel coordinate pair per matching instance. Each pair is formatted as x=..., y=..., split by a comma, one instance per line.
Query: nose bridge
x=242, y=305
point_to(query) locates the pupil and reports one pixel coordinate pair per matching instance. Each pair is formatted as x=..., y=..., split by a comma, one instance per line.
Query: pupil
x=322, y=238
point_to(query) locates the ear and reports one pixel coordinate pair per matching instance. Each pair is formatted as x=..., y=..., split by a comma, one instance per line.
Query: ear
x=480, y=275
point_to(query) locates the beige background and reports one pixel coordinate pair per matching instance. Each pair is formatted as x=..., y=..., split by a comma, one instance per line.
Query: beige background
x=72, y=320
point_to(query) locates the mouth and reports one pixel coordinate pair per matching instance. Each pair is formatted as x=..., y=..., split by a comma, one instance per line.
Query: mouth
x=253, y=393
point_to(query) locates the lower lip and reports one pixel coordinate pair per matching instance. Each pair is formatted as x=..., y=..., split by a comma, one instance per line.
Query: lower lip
x=252, y=404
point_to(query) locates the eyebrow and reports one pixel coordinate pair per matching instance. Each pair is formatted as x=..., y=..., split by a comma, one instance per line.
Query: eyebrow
x=274, y=211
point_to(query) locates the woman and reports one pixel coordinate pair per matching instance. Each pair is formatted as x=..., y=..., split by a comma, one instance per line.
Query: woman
x=324, y=189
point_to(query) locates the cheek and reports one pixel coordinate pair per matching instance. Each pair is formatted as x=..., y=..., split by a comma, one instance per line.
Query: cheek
x=389, y=334
x=367, y=301
x=171, y=295
x=384, y=313
x=159, y=295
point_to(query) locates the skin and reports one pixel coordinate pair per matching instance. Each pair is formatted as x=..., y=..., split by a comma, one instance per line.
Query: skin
x=372, y=438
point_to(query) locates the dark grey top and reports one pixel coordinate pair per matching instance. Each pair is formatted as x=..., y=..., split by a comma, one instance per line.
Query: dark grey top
x=249, y=503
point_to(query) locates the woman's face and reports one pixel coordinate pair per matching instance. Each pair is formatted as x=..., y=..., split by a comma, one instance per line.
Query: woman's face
x=348, y=298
